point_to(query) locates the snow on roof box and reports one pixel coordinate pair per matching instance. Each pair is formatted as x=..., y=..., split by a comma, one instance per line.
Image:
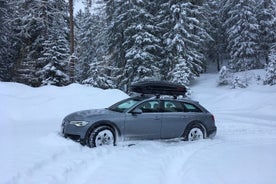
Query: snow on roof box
x=158, y=88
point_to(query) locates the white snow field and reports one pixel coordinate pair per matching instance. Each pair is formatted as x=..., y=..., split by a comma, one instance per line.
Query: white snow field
x=33, y=152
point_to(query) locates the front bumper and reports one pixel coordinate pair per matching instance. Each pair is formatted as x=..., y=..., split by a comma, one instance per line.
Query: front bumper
x=74, y=132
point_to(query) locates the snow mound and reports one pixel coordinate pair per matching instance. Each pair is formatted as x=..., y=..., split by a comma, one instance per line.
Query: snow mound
x=32, y=151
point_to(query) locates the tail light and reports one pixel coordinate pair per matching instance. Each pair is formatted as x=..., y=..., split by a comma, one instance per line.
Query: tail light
x=213, y=117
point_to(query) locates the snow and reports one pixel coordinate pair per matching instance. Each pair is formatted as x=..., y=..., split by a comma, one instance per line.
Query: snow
x=32, y=151
x=79, y=5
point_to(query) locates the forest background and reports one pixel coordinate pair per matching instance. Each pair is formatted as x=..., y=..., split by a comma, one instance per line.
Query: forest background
x=118, y=42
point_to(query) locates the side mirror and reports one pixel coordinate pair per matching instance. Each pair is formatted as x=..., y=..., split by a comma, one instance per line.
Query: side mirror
x=137, y=111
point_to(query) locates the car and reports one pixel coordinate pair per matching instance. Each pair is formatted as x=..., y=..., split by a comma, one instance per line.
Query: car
x=142, y=117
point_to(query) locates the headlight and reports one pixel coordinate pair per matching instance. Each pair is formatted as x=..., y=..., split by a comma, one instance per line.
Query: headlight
x=78, y=123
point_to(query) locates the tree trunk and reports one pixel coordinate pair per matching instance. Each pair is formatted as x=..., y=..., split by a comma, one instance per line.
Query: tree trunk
x=72, y=45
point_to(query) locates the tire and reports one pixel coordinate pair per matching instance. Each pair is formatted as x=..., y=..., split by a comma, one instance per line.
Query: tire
x=101, y=136
x=194, y=132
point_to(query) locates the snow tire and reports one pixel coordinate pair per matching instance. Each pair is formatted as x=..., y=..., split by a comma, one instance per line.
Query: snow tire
x=100, y=136
x=194, y=132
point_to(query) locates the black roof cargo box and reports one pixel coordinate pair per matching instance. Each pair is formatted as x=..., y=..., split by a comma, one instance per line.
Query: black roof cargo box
x=158, y=88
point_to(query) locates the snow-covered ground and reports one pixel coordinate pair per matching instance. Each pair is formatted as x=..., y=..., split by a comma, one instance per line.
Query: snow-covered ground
x=32, y=152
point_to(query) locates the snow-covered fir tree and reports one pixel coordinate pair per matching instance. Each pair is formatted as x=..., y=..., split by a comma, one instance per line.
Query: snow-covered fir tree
x=270, y=77
x=85, y=36
x=266, y=13
x=238, y=82
x=181, y=73
x=225, y=76
x=115, y=52
x=6, y=63
x=99, y=75
x=55, y=56
x=241, y=28
x=29, y=28
x=216, y=48
x=132, y=41
x=94, y=69
x=53, y=63
x=36, y=23
x=141, y=44
x=183, y=40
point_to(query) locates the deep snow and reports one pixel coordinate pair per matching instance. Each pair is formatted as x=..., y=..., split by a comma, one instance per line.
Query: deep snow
x=32, y=151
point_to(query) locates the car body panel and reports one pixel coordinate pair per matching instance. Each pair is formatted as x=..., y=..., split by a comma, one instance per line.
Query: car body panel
x=131, y=124
x=173, y=124
x=143, y=126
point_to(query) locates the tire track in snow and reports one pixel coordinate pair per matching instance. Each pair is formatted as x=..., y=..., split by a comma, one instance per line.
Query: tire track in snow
x=242, y=125
x=179, y=159
x=61, y=166
x=249, y=118
x=147, y=162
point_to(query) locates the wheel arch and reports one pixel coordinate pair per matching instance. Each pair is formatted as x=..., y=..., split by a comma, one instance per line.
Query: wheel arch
x=195, y=123
x=107, y=123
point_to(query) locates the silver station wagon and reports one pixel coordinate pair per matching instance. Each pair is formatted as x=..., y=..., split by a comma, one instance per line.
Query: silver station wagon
x=141, y=118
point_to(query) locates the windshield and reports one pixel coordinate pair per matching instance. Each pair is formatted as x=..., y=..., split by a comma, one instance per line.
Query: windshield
x=124, y=105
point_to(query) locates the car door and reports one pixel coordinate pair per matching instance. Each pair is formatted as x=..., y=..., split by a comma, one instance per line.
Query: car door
x=146, y=124
x=174, y=119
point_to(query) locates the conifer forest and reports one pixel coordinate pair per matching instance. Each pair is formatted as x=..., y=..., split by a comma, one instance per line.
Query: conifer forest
x=118, y=42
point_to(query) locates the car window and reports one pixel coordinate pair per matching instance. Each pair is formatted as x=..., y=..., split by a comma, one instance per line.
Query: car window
x=123, y=105
x=173, y=106
x=150, y=106
x=191, y=108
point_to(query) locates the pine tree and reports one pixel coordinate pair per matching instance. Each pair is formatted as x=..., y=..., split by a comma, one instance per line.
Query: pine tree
x=35, y=24
x=115, y=12
x=183, y=39
x=56, y=58
x=266, y=13
x=141, y=44
x=242, y=34
x=6, y=63
x=270, y=77
x=94, y=68
x=216, y=49
x=53, y=64
x=99, y=75
x=28, y=28
x=225, y=76
x=131, y=40
x=87, y=34
x=81, y=66
x=221, y=35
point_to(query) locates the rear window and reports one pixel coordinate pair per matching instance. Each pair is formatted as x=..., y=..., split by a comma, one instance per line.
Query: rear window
x=191, y=108
x=173, y=106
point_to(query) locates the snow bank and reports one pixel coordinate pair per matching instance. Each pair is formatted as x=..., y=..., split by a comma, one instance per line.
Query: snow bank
x=33, y=152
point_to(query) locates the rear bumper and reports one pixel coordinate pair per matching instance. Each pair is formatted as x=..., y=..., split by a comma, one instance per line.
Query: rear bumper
x=212, y=132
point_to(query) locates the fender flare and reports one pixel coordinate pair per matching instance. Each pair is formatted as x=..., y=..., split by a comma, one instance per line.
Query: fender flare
x=97, y=124
x=195, y=123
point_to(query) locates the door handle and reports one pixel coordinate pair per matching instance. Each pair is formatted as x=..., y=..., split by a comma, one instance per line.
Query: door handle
x=156, y=118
